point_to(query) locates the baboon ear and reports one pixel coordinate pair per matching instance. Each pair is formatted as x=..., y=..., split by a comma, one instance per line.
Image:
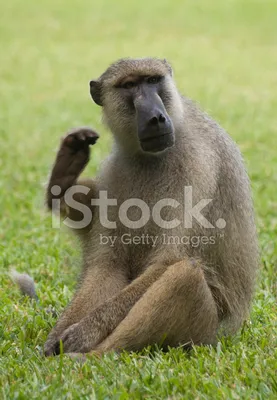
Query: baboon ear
x=95, y=91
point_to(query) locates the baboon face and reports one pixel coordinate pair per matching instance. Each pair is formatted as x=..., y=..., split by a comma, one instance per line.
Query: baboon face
x=136, y=97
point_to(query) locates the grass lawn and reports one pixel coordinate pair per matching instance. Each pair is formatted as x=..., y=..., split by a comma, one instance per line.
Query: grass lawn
x=224, y=54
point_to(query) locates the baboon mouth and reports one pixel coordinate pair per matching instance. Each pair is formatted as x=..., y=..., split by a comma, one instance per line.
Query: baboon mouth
x=151, y=138
x=157, y=143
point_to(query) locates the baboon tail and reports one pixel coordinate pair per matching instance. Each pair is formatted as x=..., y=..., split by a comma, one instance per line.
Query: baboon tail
x=25, y=283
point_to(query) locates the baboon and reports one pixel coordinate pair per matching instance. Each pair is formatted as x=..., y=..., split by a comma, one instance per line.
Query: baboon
x=166, y=153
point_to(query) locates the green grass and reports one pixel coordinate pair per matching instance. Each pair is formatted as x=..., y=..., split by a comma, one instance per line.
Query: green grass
x=224, y=54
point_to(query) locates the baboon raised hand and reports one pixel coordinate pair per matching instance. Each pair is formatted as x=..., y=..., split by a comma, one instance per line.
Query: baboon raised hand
x=174, y=259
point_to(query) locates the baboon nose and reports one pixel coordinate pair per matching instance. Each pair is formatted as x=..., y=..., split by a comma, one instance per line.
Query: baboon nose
x=161, y=118
x=156, y=120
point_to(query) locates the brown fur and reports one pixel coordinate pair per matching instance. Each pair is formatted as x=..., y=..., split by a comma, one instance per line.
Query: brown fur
x=176, y=294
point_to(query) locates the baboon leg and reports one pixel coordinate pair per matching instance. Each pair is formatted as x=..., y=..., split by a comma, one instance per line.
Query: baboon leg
x=98, y=284
x=177, y=309
x=102, y=320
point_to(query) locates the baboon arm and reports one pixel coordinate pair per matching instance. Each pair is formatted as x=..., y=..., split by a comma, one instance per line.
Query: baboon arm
x=83, y=199
x=72, y=157
x=67, y=167
x=98, y=285
x=96, y=326
x=178, y=309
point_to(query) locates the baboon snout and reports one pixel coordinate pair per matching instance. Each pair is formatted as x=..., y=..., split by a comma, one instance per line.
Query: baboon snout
x=154, y=126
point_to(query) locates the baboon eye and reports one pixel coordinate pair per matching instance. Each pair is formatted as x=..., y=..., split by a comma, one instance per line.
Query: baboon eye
x=129, y=85
x=153, y=79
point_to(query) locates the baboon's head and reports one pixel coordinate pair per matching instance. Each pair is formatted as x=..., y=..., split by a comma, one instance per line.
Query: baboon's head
x=140, y=103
